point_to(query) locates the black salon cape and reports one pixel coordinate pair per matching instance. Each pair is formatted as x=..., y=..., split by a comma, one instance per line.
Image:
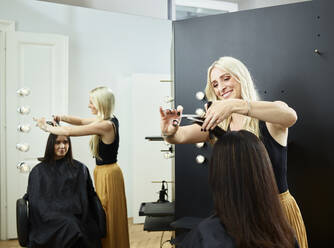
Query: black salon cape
x=209, y=233
x=60, y=211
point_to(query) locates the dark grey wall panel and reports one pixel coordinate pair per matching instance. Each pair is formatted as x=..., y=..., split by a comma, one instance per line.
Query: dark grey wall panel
x=277, y=45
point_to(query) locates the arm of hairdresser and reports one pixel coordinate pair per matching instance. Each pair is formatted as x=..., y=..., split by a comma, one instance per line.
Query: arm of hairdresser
x=74, y=120
x=277, y=115
x=174, y=134
x=98, y=127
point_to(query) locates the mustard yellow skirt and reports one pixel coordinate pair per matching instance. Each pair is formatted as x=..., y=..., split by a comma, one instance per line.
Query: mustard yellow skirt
x=294, y=217
x=109, y=186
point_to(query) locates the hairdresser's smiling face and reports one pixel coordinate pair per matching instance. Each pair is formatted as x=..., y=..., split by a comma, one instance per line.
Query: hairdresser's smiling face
x=61, y=147
x=92, y=107
x=224, y=85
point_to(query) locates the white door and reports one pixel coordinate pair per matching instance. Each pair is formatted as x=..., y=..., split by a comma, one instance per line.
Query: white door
x=38, y=62
x=149, y=163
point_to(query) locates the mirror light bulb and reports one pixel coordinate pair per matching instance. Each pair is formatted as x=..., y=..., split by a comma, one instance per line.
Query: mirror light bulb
x=168, y=155
x=200, y=95
x=23, y=92
x=200, y=144
x=22, y=147
x=200, y=112
x=168, y=99
x=23, y=167
x=24, y=110
x=200, y=159
x=24, y=128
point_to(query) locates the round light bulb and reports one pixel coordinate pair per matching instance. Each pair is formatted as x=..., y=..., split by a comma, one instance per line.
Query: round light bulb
x=23, y=92
x=200, y=95
x=23, y=167
x=23, y=147
x=24, y=128
x=200, y=144
x=200, y=159
x=24, y=110
x=200, y=112
x=168, y=99
x=168, y=155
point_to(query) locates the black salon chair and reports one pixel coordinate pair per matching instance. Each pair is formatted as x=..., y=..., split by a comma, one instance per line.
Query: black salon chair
x=22, y=218
x=22, y=221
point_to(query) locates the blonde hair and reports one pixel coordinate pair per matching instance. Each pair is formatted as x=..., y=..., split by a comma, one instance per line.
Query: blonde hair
x=104, y=101
x=241, y=74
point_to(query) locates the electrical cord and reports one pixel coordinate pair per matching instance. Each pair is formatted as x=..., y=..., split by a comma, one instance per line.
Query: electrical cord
x=162, y=235
x=171, y=241
x=166, y=188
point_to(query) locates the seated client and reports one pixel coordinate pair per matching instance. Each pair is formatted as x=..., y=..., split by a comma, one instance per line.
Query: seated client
x=62, y=201
x=248, y=212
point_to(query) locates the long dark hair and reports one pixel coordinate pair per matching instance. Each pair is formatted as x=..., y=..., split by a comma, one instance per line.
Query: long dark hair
x=49, y=154
x=245, y=193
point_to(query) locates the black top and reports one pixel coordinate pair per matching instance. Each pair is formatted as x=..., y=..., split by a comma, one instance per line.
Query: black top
x=278, y=157
x=108, y=152
x=61, y=213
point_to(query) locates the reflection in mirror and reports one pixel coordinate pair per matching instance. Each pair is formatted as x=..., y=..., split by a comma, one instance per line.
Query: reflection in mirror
x=23, y=92
x=168, y=99
x=25, y=128
x=189, y=9
x=127, y=53
x=169, y=155
x=24, y=110
x=23, y=147
x=23, y=167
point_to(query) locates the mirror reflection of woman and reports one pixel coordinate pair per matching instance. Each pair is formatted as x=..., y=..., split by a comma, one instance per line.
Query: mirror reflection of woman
x=60, y=193
x=104, y=143
x=236, y=106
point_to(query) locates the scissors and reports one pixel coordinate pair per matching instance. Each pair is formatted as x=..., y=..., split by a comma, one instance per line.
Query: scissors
x=217, y=131
x=52, y=123
x=194, y=118
x=198, y=119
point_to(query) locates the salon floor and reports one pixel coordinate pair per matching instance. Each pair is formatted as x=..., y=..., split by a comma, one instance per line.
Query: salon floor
x=138, y=238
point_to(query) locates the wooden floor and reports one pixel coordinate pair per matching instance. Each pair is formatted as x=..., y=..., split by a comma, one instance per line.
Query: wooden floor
x=138, y=238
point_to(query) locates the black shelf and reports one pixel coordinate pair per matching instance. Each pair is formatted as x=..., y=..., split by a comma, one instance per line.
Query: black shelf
x=157, y=209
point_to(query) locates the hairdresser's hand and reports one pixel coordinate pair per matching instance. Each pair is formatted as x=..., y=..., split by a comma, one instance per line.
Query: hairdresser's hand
x=218, y=111
x=41, y=123
x=170, y=120
x=56, y=119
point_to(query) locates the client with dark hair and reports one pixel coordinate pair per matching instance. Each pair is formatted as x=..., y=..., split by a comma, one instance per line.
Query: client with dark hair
x=248, y=212
x=62, y=200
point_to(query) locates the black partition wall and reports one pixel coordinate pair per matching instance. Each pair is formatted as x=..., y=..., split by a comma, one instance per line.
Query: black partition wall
x=278, y=46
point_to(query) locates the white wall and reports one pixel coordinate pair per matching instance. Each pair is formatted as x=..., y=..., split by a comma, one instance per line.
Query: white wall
x=253, y=4
x=159, y=8
x=151, y=8
x=105, y=48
